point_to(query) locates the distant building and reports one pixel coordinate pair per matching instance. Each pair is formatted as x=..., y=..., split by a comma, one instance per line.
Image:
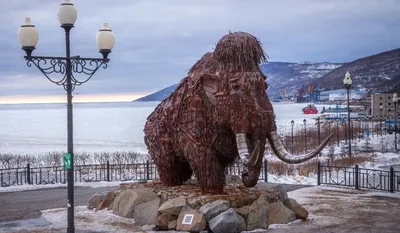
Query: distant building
x=353, y=96
x=386, y=101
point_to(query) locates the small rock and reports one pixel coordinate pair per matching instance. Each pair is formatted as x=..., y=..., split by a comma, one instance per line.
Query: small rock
x=212, y=209
x=228, y=221
x=190, y=182
x=172, y=225
x=107, y=201
x=233, y=179
x=258, y=215
x=192, y=221
x=300, y=211
x=146, y=213
x=127, y=200
x=148, y=227
x=243, y=211
x=173, y=206
x=163, y=220
x=95, y=200
x=278, y=213
x=274, y=188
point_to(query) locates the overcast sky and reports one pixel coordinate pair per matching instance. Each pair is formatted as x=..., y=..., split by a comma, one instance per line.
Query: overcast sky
x=157, y=41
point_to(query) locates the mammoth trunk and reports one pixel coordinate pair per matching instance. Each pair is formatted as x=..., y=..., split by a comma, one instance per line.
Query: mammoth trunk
x=285, y=156
x=250, y=171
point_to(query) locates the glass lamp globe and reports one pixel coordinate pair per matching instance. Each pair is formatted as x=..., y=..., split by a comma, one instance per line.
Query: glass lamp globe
x=105, y=40
x=67, y=14
x=28, y=36
x=347, y=79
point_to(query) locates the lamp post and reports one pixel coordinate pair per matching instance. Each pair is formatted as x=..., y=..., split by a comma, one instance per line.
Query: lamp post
x=347, y=83
x=319, y=132
x=67, y=66
x=337, y=131
x=395, y=119
x=292, y=123
x=305, y=134
x=380, y=118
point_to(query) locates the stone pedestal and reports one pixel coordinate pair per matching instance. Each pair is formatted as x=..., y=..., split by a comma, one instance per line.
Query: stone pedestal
x=185, y=208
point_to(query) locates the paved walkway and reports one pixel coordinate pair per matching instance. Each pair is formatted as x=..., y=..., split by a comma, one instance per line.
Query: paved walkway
x=28, y=204
x=346, y=210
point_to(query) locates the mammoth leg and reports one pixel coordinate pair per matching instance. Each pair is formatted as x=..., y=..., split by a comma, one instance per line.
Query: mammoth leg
x=173, y=170
x=209, y=172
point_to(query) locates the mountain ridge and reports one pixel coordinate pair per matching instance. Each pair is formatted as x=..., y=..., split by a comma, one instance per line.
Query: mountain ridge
x=377, y=72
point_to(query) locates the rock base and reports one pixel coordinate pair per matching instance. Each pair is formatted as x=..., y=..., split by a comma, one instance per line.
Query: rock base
x=184, y=208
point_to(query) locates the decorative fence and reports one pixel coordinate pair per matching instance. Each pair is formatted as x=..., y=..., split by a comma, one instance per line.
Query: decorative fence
x=359, y=177
x=94, y=173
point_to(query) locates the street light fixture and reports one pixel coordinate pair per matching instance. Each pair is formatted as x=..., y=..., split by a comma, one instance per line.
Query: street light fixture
x=292, y=123
x=67, y=66
x=395, y=119
x=347, y=83
x=305, y=134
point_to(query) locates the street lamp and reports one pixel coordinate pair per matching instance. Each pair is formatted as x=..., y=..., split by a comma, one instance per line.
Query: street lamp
x=305, y=134
x=380, y=118
x=67, y=66
x=347, y=83
x=395, y=119
x=292, y=123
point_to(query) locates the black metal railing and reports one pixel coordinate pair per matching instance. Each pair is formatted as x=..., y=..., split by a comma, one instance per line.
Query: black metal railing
x=359, y=177
x=95, y=173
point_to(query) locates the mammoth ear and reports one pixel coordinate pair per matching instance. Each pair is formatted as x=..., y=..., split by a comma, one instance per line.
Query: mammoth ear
x=210, y=86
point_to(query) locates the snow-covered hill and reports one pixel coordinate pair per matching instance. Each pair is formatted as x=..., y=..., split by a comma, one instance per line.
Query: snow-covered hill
x=291, y=76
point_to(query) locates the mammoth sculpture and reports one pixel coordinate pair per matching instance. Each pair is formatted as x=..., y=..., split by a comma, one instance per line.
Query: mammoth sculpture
x=218, y=113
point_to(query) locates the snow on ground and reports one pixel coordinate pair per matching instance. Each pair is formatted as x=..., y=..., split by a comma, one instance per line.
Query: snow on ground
x=25, y=187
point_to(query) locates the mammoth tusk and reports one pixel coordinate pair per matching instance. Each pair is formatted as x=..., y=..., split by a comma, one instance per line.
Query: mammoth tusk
x=285, y=156
x=255, y=155
x=244, y=150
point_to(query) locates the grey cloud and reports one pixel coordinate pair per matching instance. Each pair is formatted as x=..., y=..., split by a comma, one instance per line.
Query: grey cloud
x=157, y=41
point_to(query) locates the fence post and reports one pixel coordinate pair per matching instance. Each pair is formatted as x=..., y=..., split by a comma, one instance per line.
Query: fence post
x=28, y=173
x=265, y=170
x=318, y=173
x=391, y=179
x=108, y=170
x=147, y=170
x=356, y=176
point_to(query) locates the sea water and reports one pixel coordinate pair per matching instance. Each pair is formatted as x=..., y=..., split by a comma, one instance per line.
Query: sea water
x=39, y=128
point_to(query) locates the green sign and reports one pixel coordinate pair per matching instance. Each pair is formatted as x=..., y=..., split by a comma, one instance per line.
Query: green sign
x=67, y=161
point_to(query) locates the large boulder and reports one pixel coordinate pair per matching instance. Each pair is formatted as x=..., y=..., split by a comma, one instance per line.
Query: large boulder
x=146, y=213
x=278, y=213
x=191, y=220
x=228, y=221
x=95, y=200
x=300, y=211
x=173, y=206
x=125, y=203
x=212, y=209
x=109, y=198
x=258, y=215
